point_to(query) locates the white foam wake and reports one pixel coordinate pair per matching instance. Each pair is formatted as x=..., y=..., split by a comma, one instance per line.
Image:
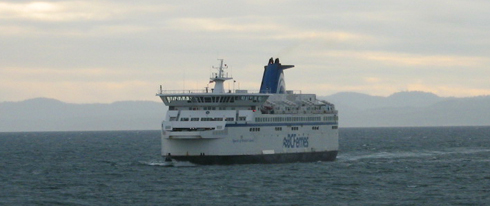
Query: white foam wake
x=410, y=154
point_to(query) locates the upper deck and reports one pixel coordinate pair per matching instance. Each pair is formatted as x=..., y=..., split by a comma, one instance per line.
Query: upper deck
x=273, y=98
x=204, y=98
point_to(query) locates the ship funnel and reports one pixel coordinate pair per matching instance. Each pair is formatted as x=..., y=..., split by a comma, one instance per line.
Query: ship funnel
x=273, y=78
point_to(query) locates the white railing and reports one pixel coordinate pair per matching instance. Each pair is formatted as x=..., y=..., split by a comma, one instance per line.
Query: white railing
x=202, y=91
x=181, y=91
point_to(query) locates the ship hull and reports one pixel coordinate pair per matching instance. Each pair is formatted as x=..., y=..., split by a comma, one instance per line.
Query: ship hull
x=259, y=159
x=241, y=144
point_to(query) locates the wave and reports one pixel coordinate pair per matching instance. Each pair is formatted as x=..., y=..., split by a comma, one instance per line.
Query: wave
x=409, y=154
x=161, y=163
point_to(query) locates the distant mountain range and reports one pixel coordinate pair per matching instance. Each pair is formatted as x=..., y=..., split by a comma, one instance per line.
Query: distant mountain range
x=355, y=110
x=409, y=109
x=43, y=114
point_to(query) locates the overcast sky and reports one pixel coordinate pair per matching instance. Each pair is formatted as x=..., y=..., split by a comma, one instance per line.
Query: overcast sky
x=100, y=51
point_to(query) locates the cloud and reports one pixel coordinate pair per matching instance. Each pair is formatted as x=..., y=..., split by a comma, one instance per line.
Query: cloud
x=61, y=18
x=410, y=59
x=374, y=47
x=371, y=79
x=219, y=25
x=53, y=11
x=86, y=85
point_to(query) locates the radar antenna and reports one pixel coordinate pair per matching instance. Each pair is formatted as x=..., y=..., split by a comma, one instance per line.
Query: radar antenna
x=219, y=77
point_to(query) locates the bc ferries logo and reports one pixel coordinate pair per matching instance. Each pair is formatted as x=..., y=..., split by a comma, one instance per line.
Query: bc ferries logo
x=294, y=141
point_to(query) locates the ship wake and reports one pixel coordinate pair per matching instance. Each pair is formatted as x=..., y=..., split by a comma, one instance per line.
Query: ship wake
x=410, y=154
x=161, y=163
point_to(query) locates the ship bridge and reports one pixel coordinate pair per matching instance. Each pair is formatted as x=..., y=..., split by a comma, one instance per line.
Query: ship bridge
x=217, y=97
x=186, y=100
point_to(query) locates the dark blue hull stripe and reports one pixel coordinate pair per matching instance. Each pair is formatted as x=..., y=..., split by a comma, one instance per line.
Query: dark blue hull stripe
x=281, y=124
x=256, y=159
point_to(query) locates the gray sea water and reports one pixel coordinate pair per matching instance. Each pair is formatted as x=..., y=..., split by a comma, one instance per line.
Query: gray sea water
x=375, y=166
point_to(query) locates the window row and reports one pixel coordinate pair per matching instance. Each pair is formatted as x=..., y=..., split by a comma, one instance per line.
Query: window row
x=330, y=118
x=255, y=129
x=215, y=99
x=206, y=119
x=211, y=108
x=288, y=119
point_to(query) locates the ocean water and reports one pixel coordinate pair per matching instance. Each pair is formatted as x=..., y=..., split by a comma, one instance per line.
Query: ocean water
x=375, y=166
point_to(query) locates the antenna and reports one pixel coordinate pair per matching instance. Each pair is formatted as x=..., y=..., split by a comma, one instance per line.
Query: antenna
x=219, y=78
x=221, y=72
x=183, y=80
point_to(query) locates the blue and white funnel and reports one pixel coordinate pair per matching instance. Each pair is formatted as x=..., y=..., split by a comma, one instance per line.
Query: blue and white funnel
x=273, y=78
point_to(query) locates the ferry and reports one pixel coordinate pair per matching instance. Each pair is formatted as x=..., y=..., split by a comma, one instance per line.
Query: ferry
x=271, y=125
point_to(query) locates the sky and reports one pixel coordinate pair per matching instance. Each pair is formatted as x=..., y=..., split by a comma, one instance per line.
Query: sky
x=101, y=51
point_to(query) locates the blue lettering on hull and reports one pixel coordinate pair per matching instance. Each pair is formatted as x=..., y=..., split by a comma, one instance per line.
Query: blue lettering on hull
x=295, y=141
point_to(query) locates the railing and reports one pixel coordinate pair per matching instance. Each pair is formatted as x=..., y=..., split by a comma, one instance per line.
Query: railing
x=223, y=75
x=181, y=91
x=202, y=91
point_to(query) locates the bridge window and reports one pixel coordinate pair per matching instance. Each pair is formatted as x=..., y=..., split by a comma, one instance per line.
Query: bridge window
x=255, y=129
x=211, y=119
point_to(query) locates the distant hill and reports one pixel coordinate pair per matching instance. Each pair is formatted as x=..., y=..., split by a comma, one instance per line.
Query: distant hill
x=410, y=109
x=42, y=114
x=355, y=110
x=400, y=99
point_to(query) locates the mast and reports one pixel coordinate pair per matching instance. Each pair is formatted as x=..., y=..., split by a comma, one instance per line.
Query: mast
x=219, y=78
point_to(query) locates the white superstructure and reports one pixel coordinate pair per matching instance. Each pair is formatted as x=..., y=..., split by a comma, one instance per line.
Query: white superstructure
x=234, y=127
